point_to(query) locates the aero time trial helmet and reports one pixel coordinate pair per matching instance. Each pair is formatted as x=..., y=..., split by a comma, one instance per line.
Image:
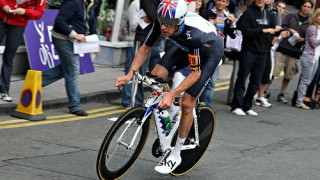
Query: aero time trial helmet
x=172, y=12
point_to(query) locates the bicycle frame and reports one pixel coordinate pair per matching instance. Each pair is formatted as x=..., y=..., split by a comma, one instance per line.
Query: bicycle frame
x=153, y=109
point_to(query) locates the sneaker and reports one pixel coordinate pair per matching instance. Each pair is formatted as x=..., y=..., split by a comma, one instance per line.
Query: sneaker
x=168, y=163
x=251, y=113
x=6, y=97
x=261, y=101
x=282, y=99
x=238, y=111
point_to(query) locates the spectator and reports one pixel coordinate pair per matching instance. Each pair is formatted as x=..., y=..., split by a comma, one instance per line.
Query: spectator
x=14, y=16
x=267, y=75
x=70, y=24
x=282, y=6
x=97, y=5
x=134, y=8
x=234, y=56
x=312, y=89
x=149, y=7
x=309, y=58
x=201, y=6
x=225, y=24
x=287, y=55
x=257, y=26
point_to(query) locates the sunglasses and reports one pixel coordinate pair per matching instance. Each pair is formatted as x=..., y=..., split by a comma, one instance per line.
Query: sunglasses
x=166, y=25
x=168, y=22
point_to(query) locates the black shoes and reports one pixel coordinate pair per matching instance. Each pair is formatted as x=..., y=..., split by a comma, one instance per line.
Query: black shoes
x=80, y=112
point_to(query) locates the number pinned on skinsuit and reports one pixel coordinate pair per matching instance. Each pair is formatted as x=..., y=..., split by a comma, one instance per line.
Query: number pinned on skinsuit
x=194, y=62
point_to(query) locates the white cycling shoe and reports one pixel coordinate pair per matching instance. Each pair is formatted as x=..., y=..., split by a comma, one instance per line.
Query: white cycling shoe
x=168, y=163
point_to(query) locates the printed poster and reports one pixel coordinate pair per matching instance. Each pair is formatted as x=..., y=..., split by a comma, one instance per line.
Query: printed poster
x=41, y=52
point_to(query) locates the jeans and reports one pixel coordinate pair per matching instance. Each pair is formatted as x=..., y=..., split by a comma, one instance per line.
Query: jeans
x=209, y=90
x=314, y=83
x=14, y=36
x=69, y=69
x=233, y=78
x=307, y=72
x=253, y=64
x=150, y=63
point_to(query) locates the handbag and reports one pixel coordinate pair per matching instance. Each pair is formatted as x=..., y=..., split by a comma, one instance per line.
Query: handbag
x=236, y=43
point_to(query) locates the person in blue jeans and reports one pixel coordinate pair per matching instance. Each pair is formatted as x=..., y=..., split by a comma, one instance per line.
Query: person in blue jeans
x=257, y=26
x=224, y=21
x=70, y=24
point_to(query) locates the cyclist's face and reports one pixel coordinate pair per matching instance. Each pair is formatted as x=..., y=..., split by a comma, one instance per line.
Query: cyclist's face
x=168, y=30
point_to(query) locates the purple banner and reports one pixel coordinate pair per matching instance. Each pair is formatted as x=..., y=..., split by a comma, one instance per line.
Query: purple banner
x=41, y=52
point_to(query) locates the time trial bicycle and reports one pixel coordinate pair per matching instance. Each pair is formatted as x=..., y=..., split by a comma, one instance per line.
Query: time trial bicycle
x=127, y=137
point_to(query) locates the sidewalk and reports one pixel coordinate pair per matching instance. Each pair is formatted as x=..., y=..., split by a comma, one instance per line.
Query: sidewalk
x=92, y=86
x=96, y=86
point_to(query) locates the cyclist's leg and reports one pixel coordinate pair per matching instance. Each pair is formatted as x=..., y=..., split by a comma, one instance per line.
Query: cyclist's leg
x=173, y=159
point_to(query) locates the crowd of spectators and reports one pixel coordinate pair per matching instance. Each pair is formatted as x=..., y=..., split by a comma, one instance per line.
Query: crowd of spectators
x=274, y=41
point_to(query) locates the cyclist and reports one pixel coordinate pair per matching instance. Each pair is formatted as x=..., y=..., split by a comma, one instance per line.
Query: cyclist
x=198, y=45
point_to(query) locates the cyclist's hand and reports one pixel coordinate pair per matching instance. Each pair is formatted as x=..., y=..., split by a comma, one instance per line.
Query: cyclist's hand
x=166, y=101
x=121, y=81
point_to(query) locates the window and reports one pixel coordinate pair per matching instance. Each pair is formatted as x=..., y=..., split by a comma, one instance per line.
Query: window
x=108, y=22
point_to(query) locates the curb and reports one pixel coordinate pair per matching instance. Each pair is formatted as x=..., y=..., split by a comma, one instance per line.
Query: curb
x=100, y=96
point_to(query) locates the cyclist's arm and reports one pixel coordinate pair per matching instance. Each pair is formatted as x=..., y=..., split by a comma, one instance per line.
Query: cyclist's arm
x=139, y=59
x=140, y=56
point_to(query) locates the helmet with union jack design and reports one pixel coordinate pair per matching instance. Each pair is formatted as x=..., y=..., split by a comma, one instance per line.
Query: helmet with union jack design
x=172, y=12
